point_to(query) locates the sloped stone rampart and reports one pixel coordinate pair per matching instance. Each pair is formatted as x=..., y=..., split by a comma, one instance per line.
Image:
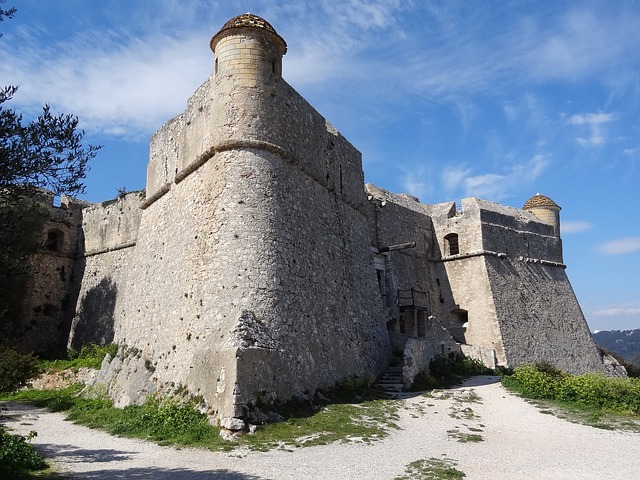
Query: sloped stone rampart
x=540, y=318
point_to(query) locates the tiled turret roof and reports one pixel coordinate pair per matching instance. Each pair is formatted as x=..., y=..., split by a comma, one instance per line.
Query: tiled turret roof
x=539, y=201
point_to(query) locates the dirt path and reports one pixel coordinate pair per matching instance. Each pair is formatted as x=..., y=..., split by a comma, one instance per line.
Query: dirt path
x=518, y=442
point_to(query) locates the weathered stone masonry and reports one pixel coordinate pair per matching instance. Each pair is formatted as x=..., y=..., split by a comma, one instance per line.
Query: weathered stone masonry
x=257, y=263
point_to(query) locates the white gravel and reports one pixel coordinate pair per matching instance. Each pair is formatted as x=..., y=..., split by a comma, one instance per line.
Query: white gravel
x=519, y=442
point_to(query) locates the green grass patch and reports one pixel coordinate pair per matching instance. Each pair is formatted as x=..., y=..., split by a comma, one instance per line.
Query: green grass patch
x=367, y=421
x=464, y=437
x=432, y=469
x=89, y=356
x=593, y=417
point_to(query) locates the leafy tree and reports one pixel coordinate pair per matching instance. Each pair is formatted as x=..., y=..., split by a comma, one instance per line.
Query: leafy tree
x=44, y=153
x=6, y=13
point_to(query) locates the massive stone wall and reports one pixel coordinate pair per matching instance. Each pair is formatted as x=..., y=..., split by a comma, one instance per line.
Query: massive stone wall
x=252, y=272
x=103, y=262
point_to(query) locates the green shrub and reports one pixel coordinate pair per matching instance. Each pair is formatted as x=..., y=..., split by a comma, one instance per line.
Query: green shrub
x=16, y=368
x=532, y=382
x=17, y=455
x=592, y=390
x=448, y=371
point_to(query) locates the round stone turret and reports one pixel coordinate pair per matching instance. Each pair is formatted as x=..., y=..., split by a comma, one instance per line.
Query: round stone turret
x=546, y=210
x=248, y=51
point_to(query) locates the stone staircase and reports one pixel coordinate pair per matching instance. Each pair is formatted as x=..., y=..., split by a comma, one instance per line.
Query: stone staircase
x=390, y=382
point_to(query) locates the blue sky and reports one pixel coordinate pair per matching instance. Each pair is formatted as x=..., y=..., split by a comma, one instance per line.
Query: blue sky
x=495, y=99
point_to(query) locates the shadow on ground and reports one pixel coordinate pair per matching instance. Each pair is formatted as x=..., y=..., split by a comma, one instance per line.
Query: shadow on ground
x=73, y=454
x=479, y=381
x=166, y=474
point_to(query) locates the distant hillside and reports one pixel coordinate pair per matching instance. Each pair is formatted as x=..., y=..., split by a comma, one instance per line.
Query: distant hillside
x=625, y=343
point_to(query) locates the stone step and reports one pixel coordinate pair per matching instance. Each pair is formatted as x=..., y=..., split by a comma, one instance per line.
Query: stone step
x=390, y=387
x=390, y=381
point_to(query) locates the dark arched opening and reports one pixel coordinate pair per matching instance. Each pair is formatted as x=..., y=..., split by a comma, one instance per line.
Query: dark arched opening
x=452, y=246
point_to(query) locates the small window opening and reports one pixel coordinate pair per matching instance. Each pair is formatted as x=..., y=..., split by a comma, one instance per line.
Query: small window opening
x=54, y=240
x=458, y=329
x=273, y=66
x=451, y=244
x=215, y=67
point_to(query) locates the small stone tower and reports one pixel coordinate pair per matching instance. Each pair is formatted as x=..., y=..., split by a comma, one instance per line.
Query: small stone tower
x=248, y=51
x=546, y=210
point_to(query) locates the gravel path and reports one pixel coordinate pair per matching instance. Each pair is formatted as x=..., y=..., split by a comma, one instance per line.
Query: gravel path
x=518, y=442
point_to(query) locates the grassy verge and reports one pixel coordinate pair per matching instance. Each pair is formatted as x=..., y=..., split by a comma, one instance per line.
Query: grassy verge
x=590, y=398
x=349, y=417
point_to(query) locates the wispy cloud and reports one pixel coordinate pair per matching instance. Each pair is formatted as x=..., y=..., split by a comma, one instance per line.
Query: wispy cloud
x=591, y=118
x=125, y=81
x=620, y=246
x=414, y=182
x=116, y=84
x=494, y=185
x=575, y=226
x=616, y=312
x=594, y=123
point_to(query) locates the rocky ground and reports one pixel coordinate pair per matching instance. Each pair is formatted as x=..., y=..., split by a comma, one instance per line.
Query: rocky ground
x=479, y=429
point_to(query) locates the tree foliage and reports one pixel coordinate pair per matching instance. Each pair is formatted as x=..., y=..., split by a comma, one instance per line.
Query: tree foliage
x=6, y=13
x=43, y=153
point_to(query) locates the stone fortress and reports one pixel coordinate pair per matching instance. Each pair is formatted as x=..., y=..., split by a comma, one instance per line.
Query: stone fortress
x=257, y=263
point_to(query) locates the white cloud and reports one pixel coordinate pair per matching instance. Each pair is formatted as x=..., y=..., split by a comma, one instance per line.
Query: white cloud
x=594, y=125
x=575, y=226
x=453, y=177
x=616, y=312
x=415, y=183
x=494, y=185
x=114, y=84
x=591, y=118
x=620, y=246
x=584, y=42
x=118, y=83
